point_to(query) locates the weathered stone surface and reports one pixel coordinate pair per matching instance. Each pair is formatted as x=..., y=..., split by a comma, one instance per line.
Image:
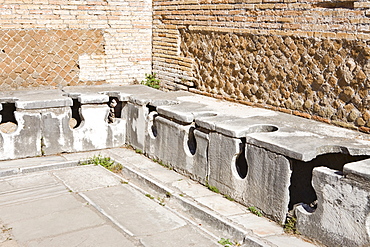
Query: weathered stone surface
x=342, y=213
x=186, y=112
x=223, y=152
x=200, y=169
x=283, y=133
x=268, y=180
x=93, y=98
x=235, y=126
x=85, y=178
x=95, y=132
x=125, y=204
x=251, y=175
x=360, y=169
x=56, y=131
x=26, y=140
x=186, y=153
x=137, y=124
x=36, y=99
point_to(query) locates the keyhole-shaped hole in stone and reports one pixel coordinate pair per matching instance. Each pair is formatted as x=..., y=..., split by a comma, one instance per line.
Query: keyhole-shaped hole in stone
x=8, y=122
x=241, y=163
x=192, y=143
x=76, y=119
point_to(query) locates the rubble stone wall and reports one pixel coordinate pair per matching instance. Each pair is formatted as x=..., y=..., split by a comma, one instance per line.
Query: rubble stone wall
x=309, y=58
x=57, y=43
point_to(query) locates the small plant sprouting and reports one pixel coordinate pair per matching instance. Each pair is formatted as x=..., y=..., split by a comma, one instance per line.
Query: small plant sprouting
x=229, y=198
x=151, y=81
x=290, y=225
x=161, y=201
x=227, y=243
x=123, y=182
x=255, y=211
x=162, y=164
x=212, y=188
x=149, y=196
x=168, y=194
x=105, y=162
x=182, y=195
x=138, y=151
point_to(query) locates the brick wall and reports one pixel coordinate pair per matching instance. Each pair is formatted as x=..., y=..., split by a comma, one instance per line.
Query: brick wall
x=310, y=58
x=56, y=43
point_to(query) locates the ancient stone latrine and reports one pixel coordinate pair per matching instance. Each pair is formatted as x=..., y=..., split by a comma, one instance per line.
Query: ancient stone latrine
x=57, y=43
x=279, y=163
x=309, y=58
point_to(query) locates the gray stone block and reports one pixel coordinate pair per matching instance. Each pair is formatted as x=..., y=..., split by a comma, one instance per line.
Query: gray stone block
x=186, y=112
x=251, y=175
x=25, y=141
x=137, y=124
x=181, y=146
x=93, y=98
x=268, y=181
x=169, y=144
x=56, y=133
x=359, y=170
x=41, y=104
x=200, y=169
x=342, y=216
x=94, y=132
x=36, y=99
x=222, y=155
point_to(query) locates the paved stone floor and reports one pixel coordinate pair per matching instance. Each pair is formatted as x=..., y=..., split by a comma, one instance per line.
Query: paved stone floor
x=50, y=201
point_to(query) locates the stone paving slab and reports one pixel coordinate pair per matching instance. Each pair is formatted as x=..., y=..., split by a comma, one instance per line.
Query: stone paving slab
x=31, y=162
x=84, y=178
x=97, y=206
x=221, y=208
x=92, y=208
x=37, y=208
x=56, y=223
x=224, y=207
x=139, y=214
x=184, y=236
x=102, y=236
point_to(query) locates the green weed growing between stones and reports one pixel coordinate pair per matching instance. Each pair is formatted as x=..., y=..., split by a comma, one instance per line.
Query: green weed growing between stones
x=229, y=198
x=105, y=162
x=255, y=211
x=212, y=188
x=290, y=226
x=149, y=196
x=163, y=164
x=227, y=243
x=151, y=81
